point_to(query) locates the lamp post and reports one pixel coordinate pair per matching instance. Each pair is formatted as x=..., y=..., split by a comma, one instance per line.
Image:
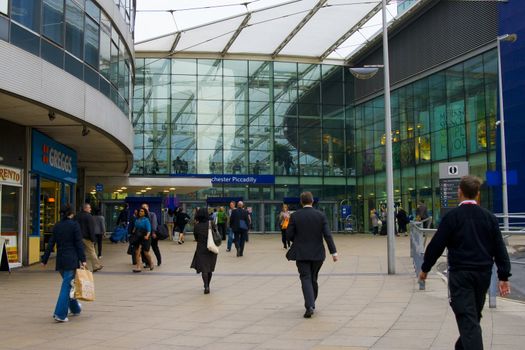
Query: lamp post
x=366, y=73
x=510, y=38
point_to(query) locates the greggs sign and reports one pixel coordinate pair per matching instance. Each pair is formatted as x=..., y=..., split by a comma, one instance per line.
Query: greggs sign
x=52, y=158
x=10, y=176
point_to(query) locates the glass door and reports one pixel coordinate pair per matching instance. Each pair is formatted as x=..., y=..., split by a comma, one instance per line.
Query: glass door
x=49, y=206
x=10, y=220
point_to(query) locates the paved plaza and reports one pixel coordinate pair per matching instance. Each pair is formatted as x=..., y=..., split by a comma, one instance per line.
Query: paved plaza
x=255, y=303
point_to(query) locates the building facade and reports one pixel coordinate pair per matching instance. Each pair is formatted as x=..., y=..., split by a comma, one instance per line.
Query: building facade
x=65, y=87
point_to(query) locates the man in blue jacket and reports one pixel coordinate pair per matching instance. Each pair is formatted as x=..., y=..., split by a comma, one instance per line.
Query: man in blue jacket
x=474, y=242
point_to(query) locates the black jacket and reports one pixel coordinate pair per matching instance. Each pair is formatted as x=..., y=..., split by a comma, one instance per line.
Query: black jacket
x=203, y=259
x=70, y=249
x=87, y=225
x=236, y=216
x=473, y=239
x=306, y=229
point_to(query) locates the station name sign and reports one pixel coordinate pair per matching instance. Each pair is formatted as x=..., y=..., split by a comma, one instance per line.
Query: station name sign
x=243, y=179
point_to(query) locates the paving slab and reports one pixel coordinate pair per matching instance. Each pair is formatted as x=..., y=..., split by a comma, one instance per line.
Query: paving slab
x=255, y=303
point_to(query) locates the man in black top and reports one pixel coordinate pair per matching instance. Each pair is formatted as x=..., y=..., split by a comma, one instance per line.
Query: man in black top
x=474, y=242
x=87, y=227
x=422, y=213
x=306, y=229
x=240, y=223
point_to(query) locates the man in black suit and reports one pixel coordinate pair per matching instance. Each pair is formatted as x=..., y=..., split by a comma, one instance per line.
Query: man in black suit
x=474, y=242
x=239, y=223
x=306, y=229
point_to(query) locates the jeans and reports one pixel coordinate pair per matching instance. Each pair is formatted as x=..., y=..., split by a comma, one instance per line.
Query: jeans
x=64, y=302
x=229, y=232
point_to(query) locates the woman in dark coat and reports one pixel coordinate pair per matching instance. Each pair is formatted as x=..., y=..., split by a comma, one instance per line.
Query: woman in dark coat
x=203, y=261
x=70, y=252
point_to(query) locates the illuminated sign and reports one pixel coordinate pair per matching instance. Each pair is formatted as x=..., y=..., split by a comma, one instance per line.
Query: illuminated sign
x=53, y=159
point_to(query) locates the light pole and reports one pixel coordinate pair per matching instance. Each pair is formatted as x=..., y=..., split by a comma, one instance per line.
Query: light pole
x=505, y=199
x=366, y=73
x=389, y=162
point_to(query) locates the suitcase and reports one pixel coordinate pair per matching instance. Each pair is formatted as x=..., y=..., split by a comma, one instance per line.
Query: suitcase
x=119, y=235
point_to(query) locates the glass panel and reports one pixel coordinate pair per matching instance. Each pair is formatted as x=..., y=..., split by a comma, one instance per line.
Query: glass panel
x=4, y=28
x=183, y=135
x=53, y=20
x=210, y=112
x=25, y=39
x=27, y=13
x=235, y=88
x=183, y=86
x=52, y=54
x=157, y=86
x=233, y=68
x=105, y=54
x=74, y=29
x=91, y=43
x=184, y=66
x=184, y=161
x=113, y=71
x=4, y=6
x=93, y=10
x=10, y=226
x=209, y=137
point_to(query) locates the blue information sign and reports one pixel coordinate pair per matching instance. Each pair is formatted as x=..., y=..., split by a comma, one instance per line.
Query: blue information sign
x=99, y=187
x=346, y=210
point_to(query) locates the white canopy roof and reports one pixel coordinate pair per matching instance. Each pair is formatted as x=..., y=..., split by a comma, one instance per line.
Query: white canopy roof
x=328, y=31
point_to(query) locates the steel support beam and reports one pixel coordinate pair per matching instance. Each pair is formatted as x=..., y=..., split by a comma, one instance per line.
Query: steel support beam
x=301, y=24
x=236, y=34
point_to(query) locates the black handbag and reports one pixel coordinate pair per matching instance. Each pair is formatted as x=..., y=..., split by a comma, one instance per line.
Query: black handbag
x=291, y=254
x=217, y=239
x=162, y=232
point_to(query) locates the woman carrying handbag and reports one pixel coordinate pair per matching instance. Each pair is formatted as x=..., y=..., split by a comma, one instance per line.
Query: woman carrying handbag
x=70, y=251
x=204, y=260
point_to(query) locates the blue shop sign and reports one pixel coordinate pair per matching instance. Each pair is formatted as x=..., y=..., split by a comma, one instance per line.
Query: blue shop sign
x=53, y=159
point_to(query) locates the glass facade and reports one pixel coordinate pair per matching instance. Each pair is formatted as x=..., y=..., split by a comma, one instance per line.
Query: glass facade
x=74, y=35
x=298, y=123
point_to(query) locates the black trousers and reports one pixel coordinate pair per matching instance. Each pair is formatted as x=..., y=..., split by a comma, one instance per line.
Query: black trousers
x=156, y=250
x=240, y=237
x=468, y=290
x=308, y=272
x=286, y=243
x=99, y=244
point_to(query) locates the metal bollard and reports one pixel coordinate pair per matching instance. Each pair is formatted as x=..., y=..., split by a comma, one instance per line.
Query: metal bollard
x=493, y=289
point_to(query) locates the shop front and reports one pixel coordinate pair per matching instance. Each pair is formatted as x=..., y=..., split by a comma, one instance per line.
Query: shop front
x=11, y=209
x=53, y=179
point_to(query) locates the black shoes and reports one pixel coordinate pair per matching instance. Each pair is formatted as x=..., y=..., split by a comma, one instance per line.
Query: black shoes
x=207, y=290
x=308, y=313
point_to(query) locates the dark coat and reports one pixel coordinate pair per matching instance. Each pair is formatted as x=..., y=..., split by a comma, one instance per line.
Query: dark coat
x=236, y=216
x=306, y=229
x=181, y=219
x=70, y=249
x=87, y=225
x=203, y=260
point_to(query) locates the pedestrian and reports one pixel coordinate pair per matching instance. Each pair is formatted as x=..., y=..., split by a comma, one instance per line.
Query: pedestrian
x=284, y=219
x=374, y=220
x=141, y=240
x=402, y=220
x=181, y=219
x=170, y=222
x=307, y=228
x=87, y=227
x=422, y=213
x=474, y=243
x=100, y=230
x=203, y=260
x=154, y=238
x=131, y=228
x=123, y=216
x=221, y=222
x=70, y=251
x=229, y=231
x=240, y=223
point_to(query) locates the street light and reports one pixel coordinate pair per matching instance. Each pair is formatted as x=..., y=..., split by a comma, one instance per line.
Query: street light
x=366, y=73
x=505, y=199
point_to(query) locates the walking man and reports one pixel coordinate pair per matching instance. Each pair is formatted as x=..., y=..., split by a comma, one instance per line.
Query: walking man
x=154, y=238
x=474, y=242
x=306, y=229
x=229, y=231
x=87, y=228
x=240, y=223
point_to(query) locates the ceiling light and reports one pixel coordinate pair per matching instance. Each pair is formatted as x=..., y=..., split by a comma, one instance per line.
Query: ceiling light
x=142, y=191
x=172, y=188
x=123, y=188
x=138, y=192
x=119, y=191
x=166, y=191
x=148, y=188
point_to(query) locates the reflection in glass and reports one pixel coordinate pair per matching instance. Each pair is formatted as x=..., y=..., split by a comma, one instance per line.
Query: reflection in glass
x=91, y=43
x=27, y=13
x=74, y=29
x=53, y=20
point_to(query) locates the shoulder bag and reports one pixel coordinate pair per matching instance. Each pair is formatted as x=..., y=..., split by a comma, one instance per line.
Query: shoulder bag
x=212, y=247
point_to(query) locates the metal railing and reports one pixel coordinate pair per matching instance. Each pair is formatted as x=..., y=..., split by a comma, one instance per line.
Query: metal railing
x=419, y=237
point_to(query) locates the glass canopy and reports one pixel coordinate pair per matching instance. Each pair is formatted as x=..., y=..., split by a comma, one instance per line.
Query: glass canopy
x=328, y=31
